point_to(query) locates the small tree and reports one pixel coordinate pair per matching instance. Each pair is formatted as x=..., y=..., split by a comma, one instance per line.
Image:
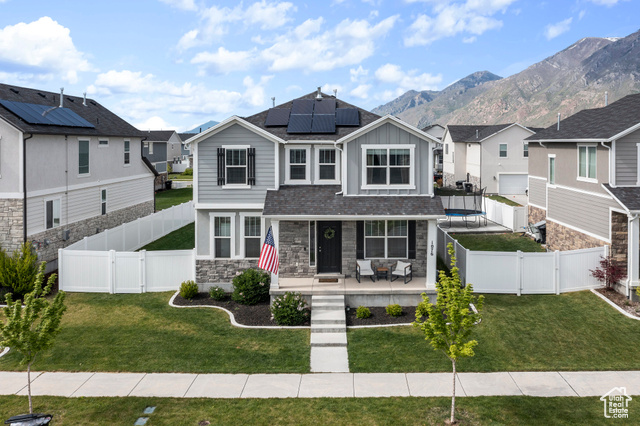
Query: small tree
x=19, y=270
x=610, y=272
x=448, y=324
x=32, y=328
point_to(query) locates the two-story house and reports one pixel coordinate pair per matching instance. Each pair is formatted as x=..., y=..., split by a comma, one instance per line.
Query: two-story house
x=334, y=182
x=494, y=157
x=437, y=131
x=162, y=148
x=69, y=168
x=584, y=180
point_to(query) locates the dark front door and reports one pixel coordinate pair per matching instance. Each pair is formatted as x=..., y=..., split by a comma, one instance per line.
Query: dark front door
x=329, y=247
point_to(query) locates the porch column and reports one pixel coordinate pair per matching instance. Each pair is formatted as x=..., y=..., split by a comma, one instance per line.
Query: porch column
x=633, y=254
x=275, y=228
x=432, y=244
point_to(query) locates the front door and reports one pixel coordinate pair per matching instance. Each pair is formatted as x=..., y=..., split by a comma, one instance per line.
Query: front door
x=329, y=247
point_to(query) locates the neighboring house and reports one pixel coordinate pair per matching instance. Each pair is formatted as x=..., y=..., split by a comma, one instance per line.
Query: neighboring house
x=69, y=168
x=186, y=153
x=336, y=183
x=584, y=180
x=436, y=131
x=162, y=148
x=492, y=157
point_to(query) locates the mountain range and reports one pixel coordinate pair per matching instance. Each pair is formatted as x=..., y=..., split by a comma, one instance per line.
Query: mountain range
x=571, y=80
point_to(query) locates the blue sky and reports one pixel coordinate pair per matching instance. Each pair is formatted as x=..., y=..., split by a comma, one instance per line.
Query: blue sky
x=179, y=63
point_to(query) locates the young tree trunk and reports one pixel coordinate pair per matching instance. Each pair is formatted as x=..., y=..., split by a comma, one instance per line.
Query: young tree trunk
x=453, y=395
x=29, y=387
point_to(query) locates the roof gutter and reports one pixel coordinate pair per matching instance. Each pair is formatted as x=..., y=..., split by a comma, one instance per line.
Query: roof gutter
x=24, y=187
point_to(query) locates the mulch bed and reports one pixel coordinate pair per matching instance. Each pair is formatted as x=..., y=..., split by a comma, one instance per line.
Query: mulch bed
x=621, y=300
x=259, y=315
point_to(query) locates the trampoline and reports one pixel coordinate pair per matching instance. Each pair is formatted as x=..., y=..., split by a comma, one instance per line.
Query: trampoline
x=476, y=211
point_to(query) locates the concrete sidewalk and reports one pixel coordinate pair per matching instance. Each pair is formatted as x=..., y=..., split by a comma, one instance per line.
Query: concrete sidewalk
x=340, y=385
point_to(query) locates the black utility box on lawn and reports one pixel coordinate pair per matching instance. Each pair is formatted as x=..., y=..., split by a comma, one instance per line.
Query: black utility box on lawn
x=29, y=420
x=167, y=184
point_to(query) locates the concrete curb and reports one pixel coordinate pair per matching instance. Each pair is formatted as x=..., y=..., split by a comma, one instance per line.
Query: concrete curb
x=619, y=309
x=4, y=352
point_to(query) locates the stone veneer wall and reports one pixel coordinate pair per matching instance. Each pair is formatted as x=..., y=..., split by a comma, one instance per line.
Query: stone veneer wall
x=11, y=229
x=619, y=238
x=84, y=228
x=349, y=249
x=562, y=238
x=221, y=271
x=535, y=215
x=293, y=249
x=159, y=181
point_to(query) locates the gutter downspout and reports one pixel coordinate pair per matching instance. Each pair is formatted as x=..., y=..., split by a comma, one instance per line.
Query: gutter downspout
x=24, y=187
x=154, y=178
x=629, y=242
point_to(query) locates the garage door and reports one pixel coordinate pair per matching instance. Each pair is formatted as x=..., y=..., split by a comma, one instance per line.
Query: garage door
x=512, y=184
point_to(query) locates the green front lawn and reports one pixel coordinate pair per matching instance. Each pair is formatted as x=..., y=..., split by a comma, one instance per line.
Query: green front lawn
x=142, y=333
x=180, y=239
x=571, y=331
x=498, y=242
x=512, y=410
x=173, y=197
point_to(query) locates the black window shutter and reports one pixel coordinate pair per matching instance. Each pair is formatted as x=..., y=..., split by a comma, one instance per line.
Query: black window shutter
x=221, y=165
x=251, y=156
x=360, y=239
x=412, y=239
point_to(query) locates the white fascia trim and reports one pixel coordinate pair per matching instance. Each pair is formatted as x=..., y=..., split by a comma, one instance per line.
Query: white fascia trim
x=228, y=123
x=537, y=206
x=575, y=228
x=582, y=191
x=384, y=120
x=506, y=128
x=567, y=140
x=626, y=210
x=537, y=177
x=226, y=207
x=11, y=195
x=94, y=184
x=624, y=133
x=355, y=217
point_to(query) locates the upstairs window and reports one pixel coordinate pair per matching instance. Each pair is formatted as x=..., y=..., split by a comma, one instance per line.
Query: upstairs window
x=503, y=150
x=150, y=148
x=103, y=201
x=103, y=143
x=83, y=157
x=236, y=166
x=127, y=153
x=327, y=165
x=587, y=162
x=552, y=170
x=388, y=166
x=297, y=170
x=525, y=150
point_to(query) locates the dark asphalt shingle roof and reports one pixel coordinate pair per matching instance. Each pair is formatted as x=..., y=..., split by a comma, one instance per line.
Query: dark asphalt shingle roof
x=321, y=200
x=366, y=118
x=628, y=196
x=185, y=136
x=158, y=135
x=596, y=123
x=467, y=133
x=106, y=123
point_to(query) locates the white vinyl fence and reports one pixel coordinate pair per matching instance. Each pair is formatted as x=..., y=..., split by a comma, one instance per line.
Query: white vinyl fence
x=133, y=235
x=524, y=273
x=124, y=272
x=514, y=218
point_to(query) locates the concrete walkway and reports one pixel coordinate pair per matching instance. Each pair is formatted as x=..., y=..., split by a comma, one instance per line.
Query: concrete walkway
x=346, y=385
x=328, y=335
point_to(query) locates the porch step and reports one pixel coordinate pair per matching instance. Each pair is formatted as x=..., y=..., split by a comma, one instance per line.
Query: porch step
x=324, y=340
x=329, y=298
x=325, y=316
x=328, y=334
x=321, y=276
x=328, y=305
x=328, y=328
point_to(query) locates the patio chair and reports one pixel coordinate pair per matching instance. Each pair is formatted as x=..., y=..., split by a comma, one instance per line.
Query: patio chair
x=402, y=269
x=364, y=268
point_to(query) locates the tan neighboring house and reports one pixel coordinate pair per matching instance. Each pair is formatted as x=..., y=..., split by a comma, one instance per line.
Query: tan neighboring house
x=584, y=180
x=69, y=168
x=494, y=157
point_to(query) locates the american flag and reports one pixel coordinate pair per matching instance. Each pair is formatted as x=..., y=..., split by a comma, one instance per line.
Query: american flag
x=269, y=255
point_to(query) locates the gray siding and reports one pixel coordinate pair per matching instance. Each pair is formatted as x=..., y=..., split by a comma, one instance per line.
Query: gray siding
x=389, y=134
x=208, y=189
x=627, y=159
x=159, y=151
x=583, y=211
x=538, y=192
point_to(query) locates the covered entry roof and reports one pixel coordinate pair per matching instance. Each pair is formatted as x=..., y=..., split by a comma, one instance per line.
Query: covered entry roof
x=321, y=201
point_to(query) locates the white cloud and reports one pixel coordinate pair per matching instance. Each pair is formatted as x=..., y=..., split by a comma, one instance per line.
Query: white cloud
x=362, y=91
x=182, y=4
x=469, y=39
x=411, y=80
x=328, y=88
x=554, y=30
x=224, y=61
x=154, y=123
x=449, y=18
x=44, y=47
x=389, y=95
x=358, y=75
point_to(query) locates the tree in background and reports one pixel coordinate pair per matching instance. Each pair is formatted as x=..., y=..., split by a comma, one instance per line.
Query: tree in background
x=447, y=325
x=18, y=271
x=30, y=327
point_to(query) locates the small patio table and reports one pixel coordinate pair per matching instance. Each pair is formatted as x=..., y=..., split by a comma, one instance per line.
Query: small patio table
x=382, y=273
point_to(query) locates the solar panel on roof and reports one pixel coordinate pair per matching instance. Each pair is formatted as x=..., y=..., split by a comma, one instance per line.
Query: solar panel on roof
x=302, y=106
x=33, y=114
x=325, y=106
x=299, y=123
x=347, y=117
x=277, y=117
x=323, y=123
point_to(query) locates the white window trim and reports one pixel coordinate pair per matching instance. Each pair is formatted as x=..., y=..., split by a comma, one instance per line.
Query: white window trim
x=244, y=215
x=45, y=201
x=386, y=239
x=212, y=231
x=315, y=245
x=287, y=170
x=412, y=165
x=244, y=185
x=106, y=201
x=583, y=178
x=103, y=145
x=125, y=164
x=317, y=179
x=150, y=146
x=500, y=150
x=84, y=175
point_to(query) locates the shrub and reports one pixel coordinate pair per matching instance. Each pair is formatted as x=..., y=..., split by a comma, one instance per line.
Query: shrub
x=289, y=309
x=363, y=312
x=251, y=287
x=216, y=293
x=188, y=171
x=18, y=272
x=188, y=289
x=169, y=168
x=394, y=310
x=609, y=272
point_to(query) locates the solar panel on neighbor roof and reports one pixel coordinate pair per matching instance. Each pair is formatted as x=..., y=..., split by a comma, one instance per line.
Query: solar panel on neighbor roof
x=347, y=117
x=302, y=106
x=278, y=117
x=33, y=114
x=325, y=106
x=299, y=123
x=323, y=123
